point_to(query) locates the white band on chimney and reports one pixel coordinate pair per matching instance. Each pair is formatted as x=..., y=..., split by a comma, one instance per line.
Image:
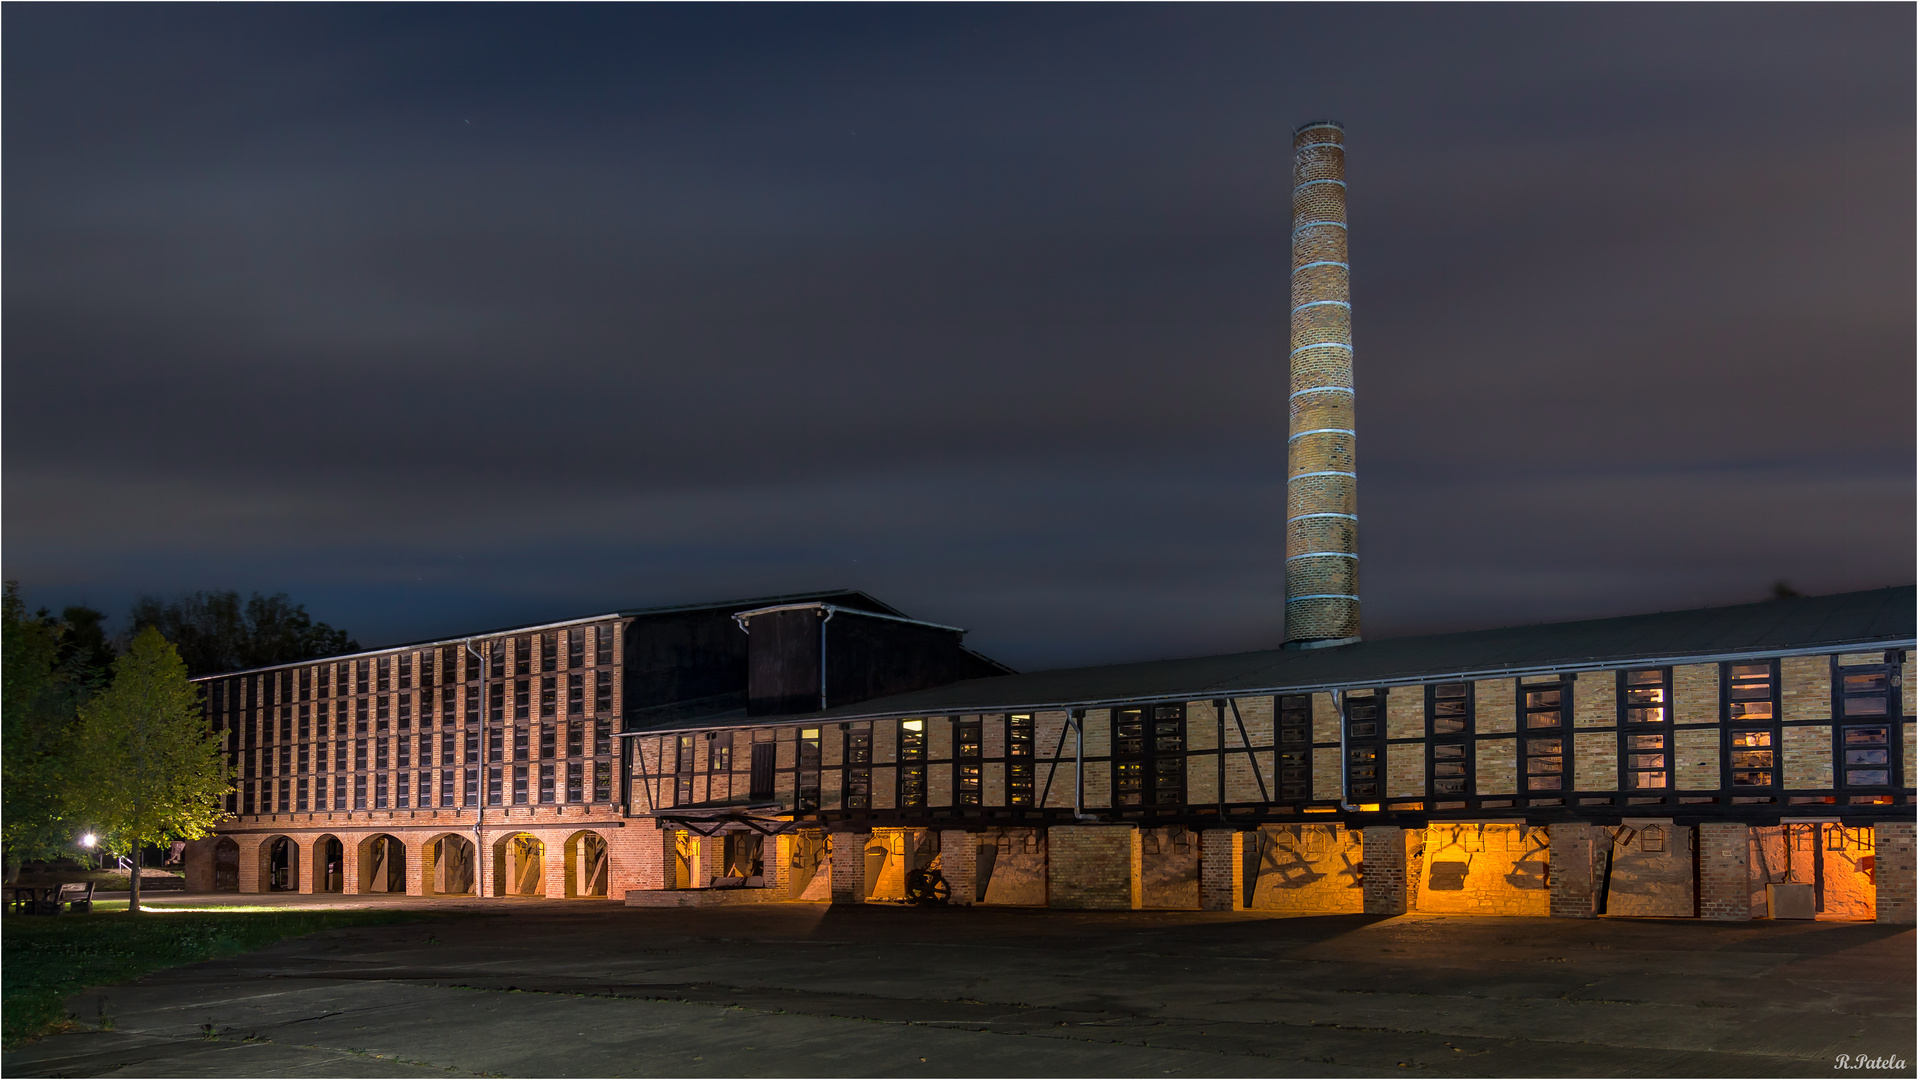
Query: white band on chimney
x=1321, y=303
x=1321, y=262
x=1326, y=513
x=1325, y=390
x=1323, y=596
x=1323, y=431
x=1309, y=183
x=1325, y=472
x=1312, y=224
x=1321, y=555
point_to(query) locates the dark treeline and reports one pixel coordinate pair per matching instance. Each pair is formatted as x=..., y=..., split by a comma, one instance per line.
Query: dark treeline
x=217, y=631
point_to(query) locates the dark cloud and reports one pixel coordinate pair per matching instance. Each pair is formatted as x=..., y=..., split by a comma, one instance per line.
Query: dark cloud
x=444, y=316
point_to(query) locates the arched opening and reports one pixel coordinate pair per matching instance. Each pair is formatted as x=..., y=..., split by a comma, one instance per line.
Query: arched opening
x=519, y=866
x=279, y=865
x=329, y=865
x=382, y=865
x=449, y=866
x=586, y=865
x=226, y=865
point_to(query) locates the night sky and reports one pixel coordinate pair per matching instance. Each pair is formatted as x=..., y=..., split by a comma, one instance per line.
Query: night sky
x=445, y=318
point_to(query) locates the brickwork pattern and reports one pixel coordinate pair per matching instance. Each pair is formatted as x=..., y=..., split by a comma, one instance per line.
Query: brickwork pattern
x=1322, y=571
x=1221, y=870
x=1896, y=872
x=1695, y=759
x=1404, y=770
x=959, y=864
x=1485, y=868
x=1595, y=699
x=1695, y=693
x=1315, y=869
x=1807, y=756
x=1325, y=719
x=1405, y=712
x=1091, y=867
x=1805, y=687
x=1724, y=871
x=1497, y=767
x=1574, y=886
x=1495, y=706
x=849, y=867
x=1326, y=772
x=1595, y=761
x=1389, y=883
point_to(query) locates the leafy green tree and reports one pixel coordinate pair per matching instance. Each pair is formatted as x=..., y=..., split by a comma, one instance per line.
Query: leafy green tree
x=145, y=767
x=217, y=631
x=37, y=700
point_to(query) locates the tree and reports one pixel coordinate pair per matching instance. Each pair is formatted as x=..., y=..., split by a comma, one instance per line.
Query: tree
x=216, y=631
x=145, y=767
x=37, y=702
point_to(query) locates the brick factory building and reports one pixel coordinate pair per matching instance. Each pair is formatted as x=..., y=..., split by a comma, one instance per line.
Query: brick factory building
x=1727, y=763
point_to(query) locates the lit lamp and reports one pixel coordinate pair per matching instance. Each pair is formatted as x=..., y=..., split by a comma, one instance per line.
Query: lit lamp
x=87, y=840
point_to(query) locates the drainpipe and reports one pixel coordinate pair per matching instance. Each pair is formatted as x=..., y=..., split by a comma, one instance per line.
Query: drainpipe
x=830, y=612
x=1345, y=772
x=479, y=797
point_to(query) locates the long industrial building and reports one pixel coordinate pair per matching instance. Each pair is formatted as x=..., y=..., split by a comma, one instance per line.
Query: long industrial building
x=1726, y=763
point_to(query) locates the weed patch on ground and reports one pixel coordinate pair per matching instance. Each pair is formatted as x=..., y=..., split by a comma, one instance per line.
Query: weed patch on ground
x=48, y=960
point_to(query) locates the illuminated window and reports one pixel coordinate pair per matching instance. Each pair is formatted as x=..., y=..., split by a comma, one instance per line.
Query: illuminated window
x=968, y=747
x=808, y=772
x=1449, y=720
x=1646, y=739
x=1148, y=750
x=1864, y=691
x=858, y=789
x=1295, y=746
x=719, y=755
x=603, y=781
x=1754, y=759
x=1543, y=739
x=1019, y=759
x=1867, y=755
x=912, y=763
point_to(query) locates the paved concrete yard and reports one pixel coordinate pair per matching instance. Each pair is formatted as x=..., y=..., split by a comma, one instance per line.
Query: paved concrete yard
x=585, y=988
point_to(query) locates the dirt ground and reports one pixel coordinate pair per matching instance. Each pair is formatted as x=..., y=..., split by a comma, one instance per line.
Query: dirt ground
x=539, y=988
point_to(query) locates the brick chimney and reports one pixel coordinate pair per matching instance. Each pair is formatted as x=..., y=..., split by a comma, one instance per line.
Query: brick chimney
x=1321, y=490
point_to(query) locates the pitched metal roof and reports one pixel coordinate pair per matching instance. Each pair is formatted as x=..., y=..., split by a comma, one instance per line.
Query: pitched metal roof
x=1810, y=624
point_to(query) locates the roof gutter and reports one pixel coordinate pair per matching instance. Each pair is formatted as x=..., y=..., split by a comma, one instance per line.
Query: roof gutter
x=740, y=617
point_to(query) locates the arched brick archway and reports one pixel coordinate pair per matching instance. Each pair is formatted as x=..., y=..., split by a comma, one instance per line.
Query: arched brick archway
x=279, y=864
x=382, y=864
x=329, y=865
x=519, y=865
x=587, y=864
x=449, y=866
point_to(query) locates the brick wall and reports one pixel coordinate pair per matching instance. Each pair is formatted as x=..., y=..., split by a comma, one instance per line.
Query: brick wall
x=1808, y=756
x=1724, y=871
x=1305, y=868
x=1695, y=758
x=1485, y=868
x=1695, y=693
x=1595, y=699
x=1327, y=772
x=1806, y=688
x=849, y=867
x=1091, y=867
x=1495, y=769
x=1404, y=770
x=1495, y=702
x=1325, y=719
x=958, y=860
x=1221, y=870
x=1896, y=877
x=1574, y=857
x=1595, y=760
x=1389, y=880
x=1405, y=712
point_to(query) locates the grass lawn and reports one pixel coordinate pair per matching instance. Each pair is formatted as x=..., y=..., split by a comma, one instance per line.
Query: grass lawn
x=49, y=959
